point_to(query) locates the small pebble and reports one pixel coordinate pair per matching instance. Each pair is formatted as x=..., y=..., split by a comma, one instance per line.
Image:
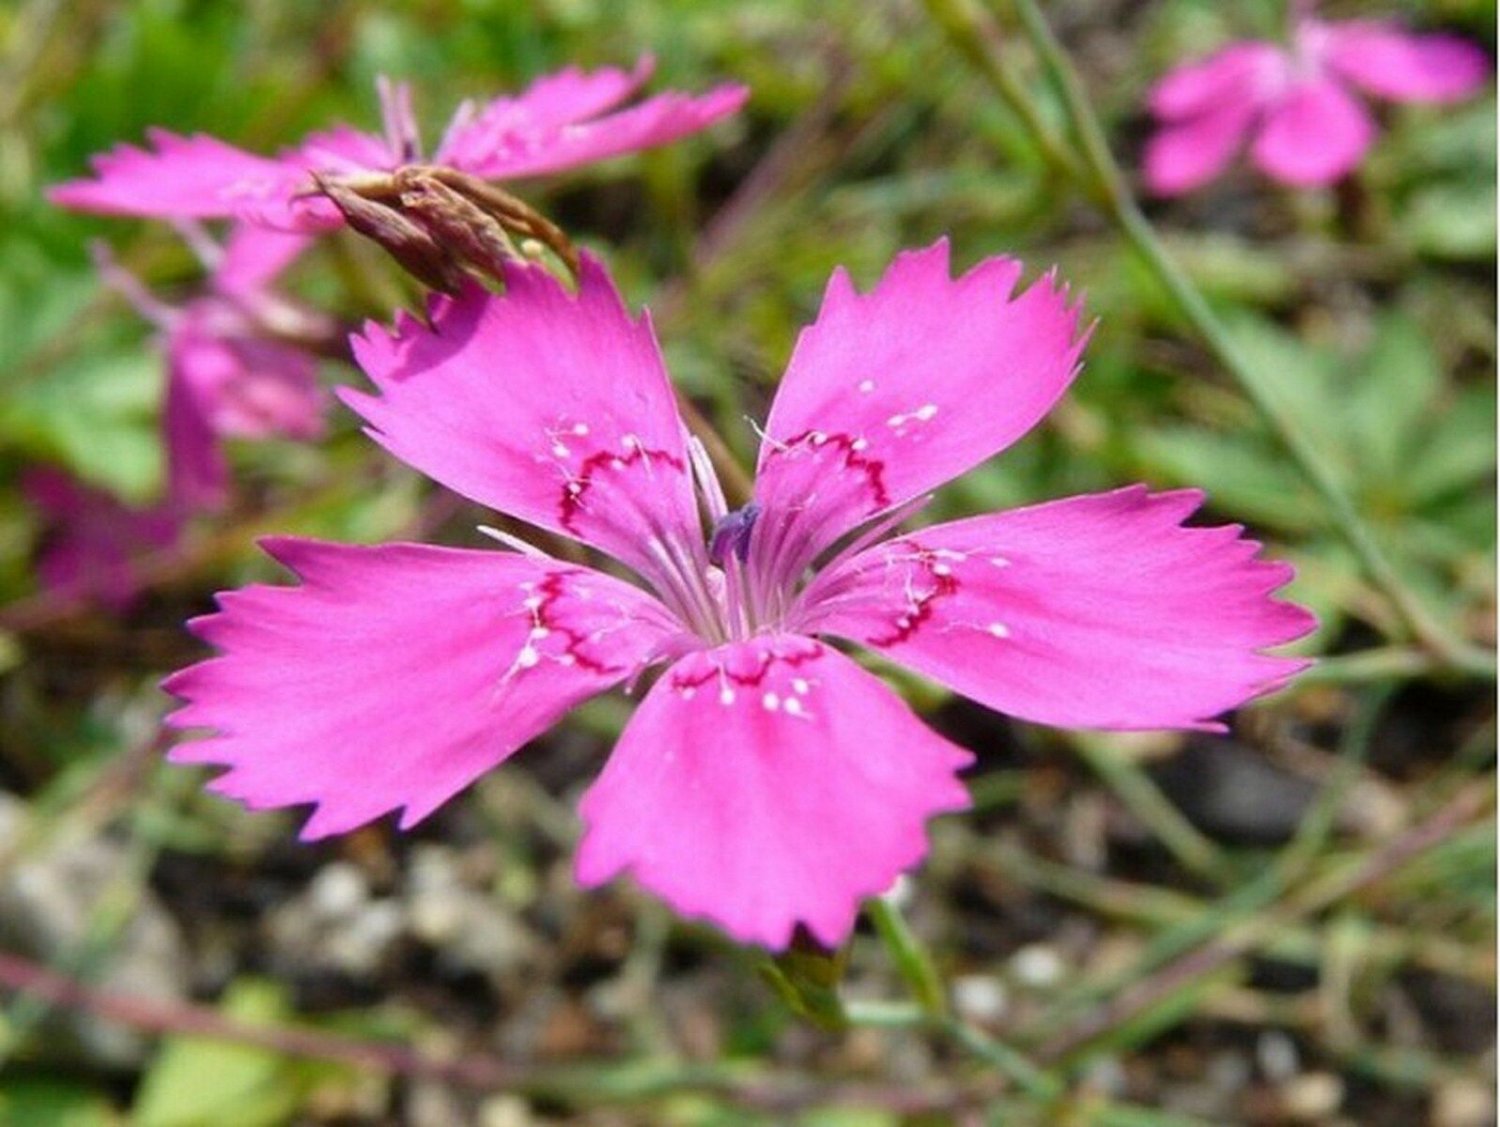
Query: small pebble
x=1037, y=966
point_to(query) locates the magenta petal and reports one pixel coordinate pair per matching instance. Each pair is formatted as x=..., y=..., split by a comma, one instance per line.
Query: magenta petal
x=197, y=470
x=549, y=103
x=94, y=544
x=1098, y=611
x=253, y=258
x=1315, y=135
x=1237, y=75
x=394, y=675
x=347, y=151
x=878, y=404
x=1390, y=62
x=1187, y=154
x=551, y=407
x=537, y=150
x=195, y=177
x=765, y=784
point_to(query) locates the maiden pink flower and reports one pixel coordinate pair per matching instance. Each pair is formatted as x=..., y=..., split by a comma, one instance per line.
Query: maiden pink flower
x=557, y=123
x=766, y=780
x=1295, y=103
x=232, y=369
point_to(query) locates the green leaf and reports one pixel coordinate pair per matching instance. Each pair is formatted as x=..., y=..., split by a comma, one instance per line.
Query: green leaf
x=47, y=1102
x=1459, y=451
x=1239, y=472
x=197, y=1082
x=1388, y=404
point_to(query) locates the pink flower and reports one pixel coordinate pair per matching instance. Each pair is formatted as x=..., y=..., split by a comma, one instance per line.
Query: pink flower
x=766, y=779
x=93, y=544
x=231, y=371
x=1306, y=126
x=559, y=122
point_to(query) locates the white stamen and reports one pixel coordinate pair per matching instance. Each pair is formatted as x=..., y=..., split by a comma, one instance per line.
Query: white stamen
x=799, y=686
x=771, y=702
x=527, y=658
x=926, y=411
x=515, y=543
x=726, y=695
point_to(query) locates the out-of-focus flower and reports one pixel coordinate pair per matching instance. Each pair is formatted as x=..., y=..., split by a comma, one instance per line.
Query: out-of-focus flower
x=93, y=543
x=1297, y=103
x=766, y=780
x=559, y=122
x=235, y=367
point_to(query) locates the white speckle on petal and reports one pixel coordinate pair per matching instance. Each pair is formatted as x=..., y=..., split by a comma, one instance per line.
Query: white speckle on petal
x=895, y=420
x=999, y=561
x=859, y=444
x=792, y=706
x=771, y=702
x=866, y=386
x=999, y=629
x=799, y=686
x=941, y=569
x=580, y=429
x=926, y=411
x=726, y=695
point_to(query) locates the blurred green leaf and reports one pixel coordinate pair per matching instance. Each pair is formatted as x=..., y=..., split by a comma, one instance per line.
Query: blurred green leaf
x=48, y=1102
x=198, y=1082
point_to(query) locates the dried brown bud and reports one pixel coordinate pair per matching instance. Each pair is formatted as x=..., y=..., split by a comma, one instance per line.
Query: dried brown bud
x=443, y=225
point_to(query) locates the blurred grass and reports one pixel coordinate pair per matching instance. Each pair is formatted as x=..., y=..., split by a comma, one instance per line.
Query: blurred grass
x=1374, y=307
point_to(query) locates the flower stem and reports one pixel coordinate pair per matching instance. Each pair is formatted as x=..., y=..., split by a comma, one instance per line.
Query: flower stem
x=910, y=957
x=1094, y=169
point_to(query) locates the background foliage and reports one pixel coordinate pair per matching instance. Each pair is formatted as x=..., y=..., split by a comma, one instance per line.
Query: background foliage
x=1246, y=929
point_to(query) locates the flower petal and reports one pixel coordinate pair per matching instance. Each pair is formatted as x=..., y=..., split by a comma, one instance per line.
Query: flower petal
x=253, y=258
x=94, y=544
x=498, y=145
x=1238, y=74
x=394, y=675
x=1188, y=154
x=552, y=101
x=1315, y=135
x=1390, y=62
x=195, y=177
x=765, y=784
x=551, y=407
x=1098, y=611
x=878, y=402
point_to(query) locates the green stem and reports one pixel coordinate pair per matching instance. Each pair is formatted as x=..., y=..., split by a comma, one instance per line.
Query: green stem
x=1095, y=171
x=910, y=957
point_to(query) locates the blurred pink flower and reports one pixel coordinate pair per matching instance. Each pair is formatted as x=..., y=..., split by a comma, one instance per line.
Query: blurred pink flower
x=1305, y=125
x=92, y=543
x=557, y=123
x=766, y=779
x=231, y=371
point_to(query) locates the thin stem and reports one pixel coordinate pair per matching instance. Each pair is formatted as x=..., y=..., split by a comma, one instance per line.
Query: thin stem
x=911, y=958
